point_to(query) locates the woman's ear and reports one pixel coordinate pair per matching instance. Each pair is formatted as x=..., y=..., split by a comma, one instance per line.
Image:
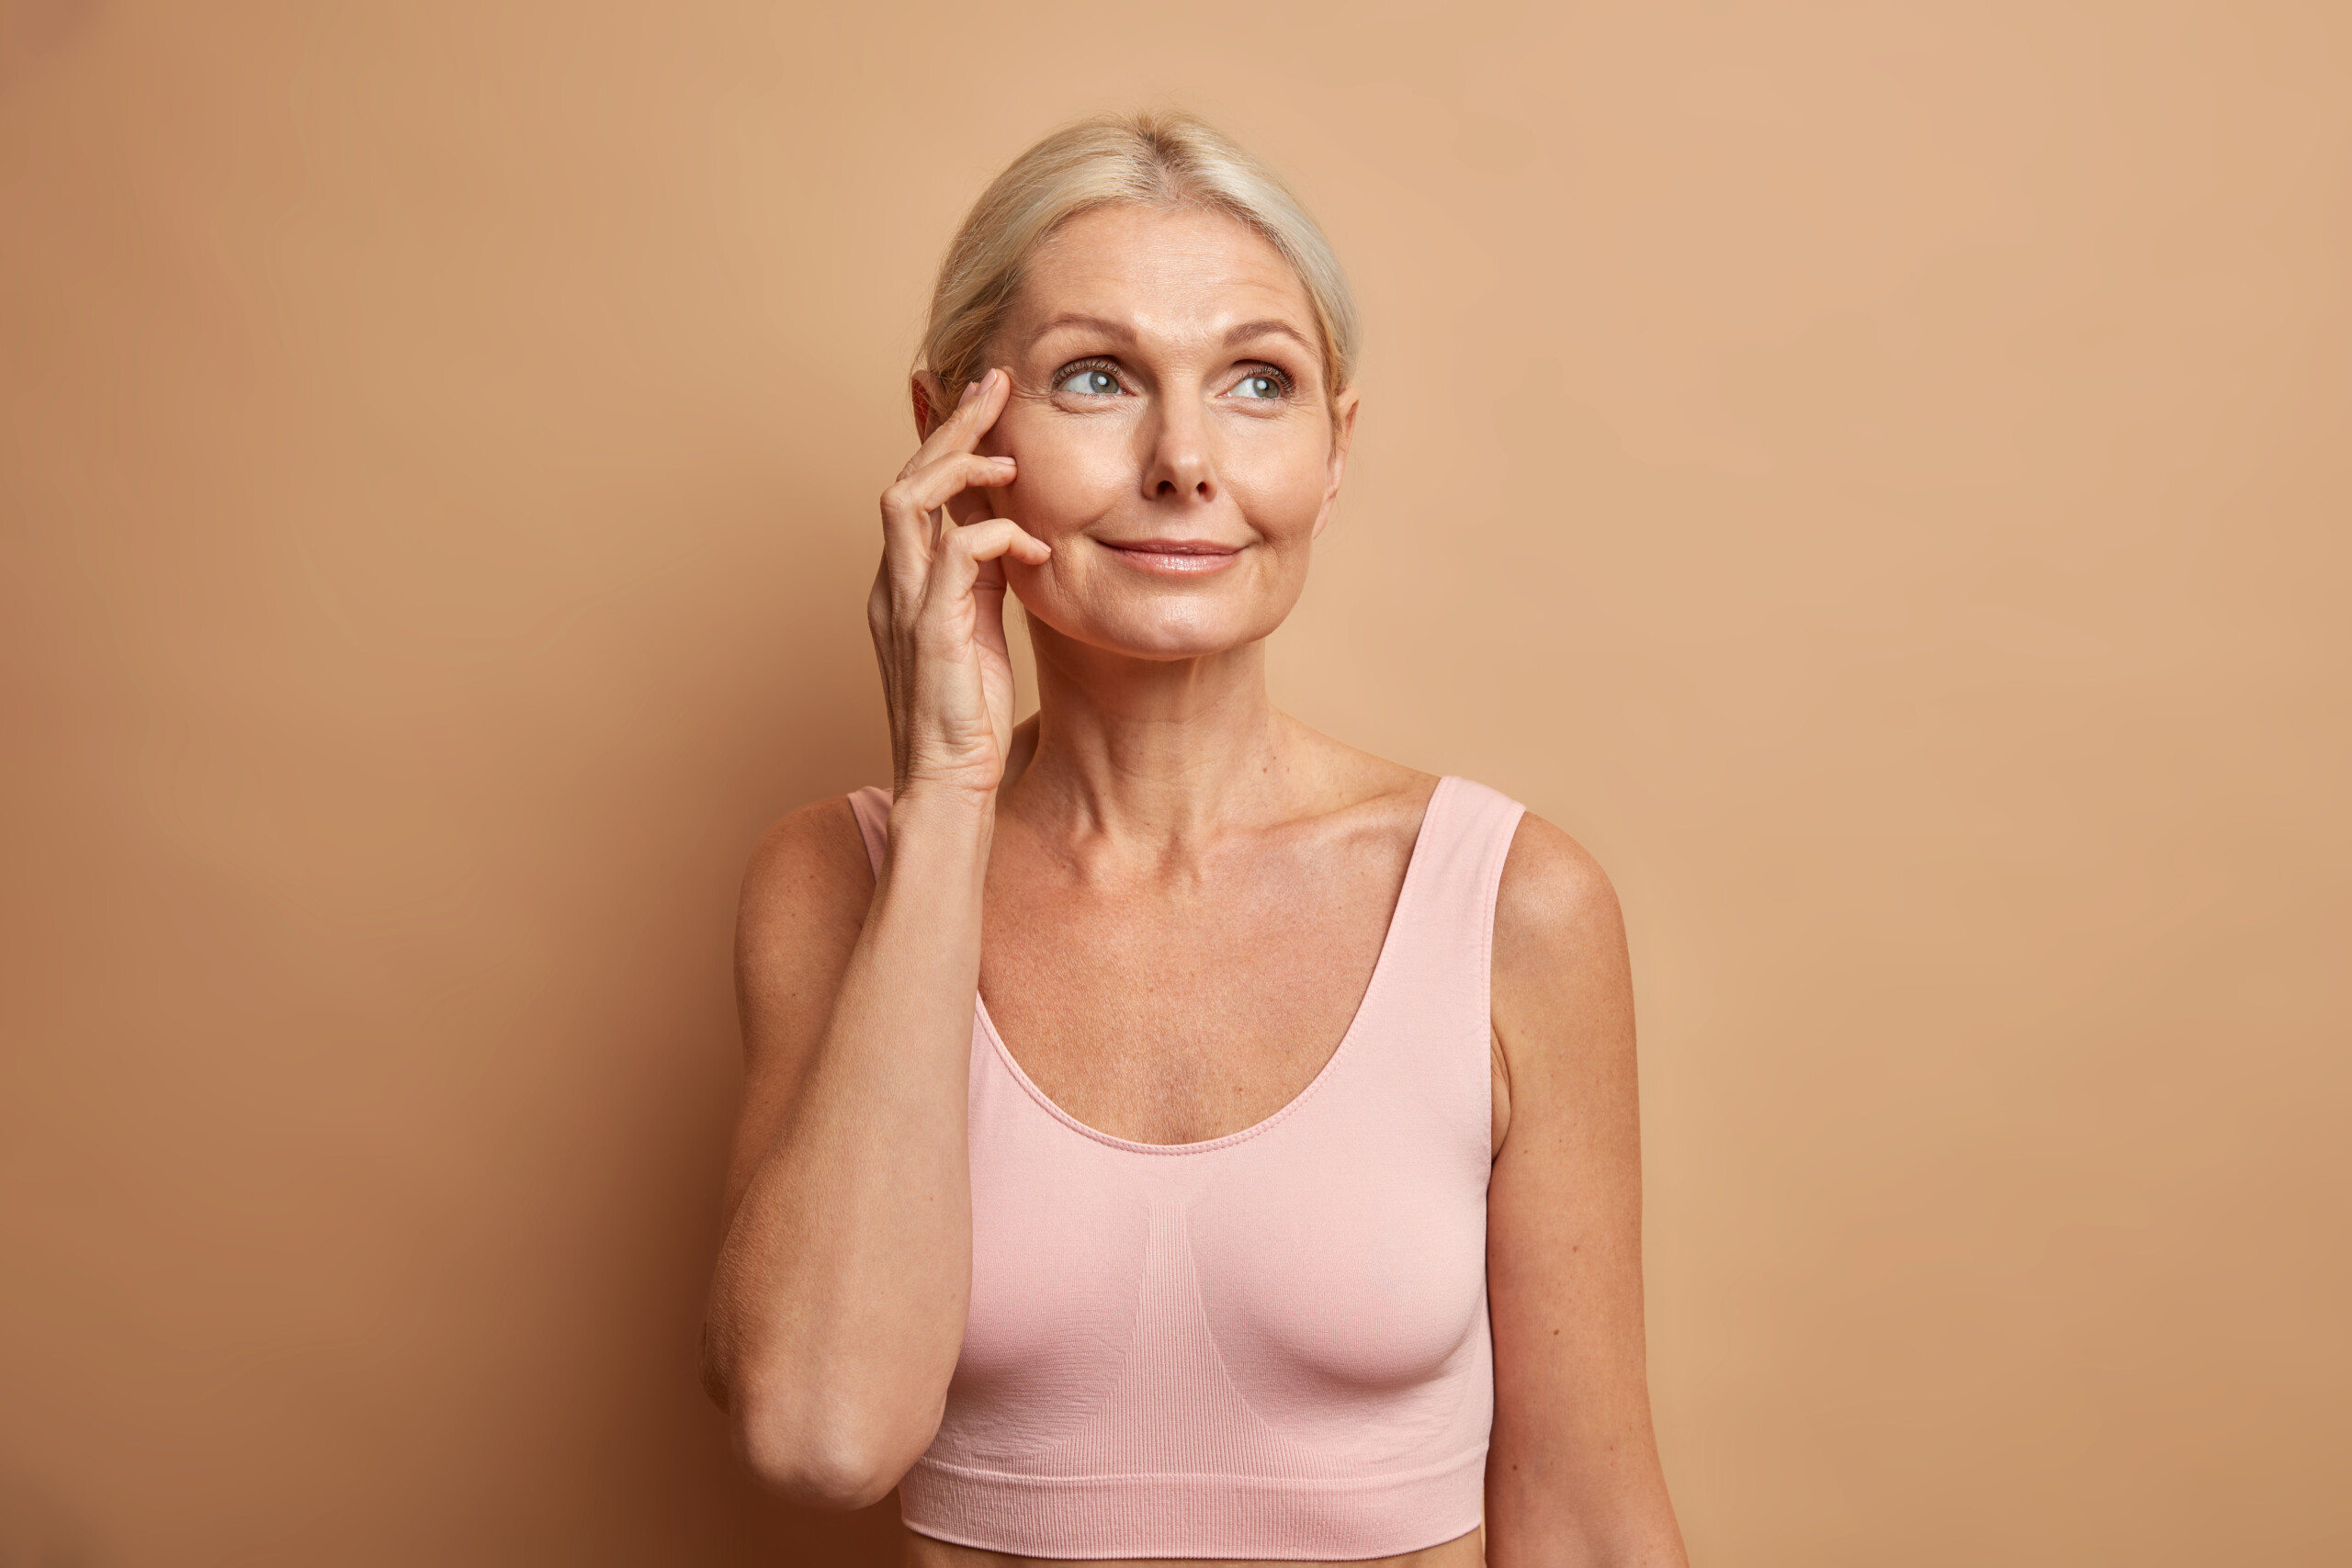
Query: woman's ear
x=1343, y=435
x=930, y=402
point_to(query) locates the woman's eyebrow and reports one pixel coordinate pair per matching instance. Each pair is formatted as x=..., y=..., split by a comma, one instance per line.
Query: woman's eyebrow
x=1098, y=324
x=1269, y=327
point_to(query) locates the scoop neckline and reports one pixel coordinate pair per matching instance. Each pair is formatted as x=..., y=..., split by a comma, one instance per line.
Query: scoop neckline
x=1380, y=965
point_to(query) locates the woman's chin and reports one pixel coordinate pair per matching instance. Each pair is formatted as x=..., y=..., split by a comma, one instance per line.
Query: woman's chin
x=1161, y=633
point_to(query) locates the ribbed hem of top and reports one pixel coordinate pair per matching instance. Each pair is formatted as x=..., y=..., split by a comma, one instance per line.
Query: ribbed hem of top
x=1194, y=1516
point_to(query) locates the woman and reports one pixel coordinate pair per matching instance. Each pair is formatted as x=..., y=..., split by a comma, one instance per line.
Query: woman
x=1171, y=1134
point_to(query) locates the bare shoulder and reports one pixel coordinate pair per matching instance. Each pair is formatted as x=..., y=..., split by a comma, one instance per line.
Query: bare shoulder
x=818, y=843
x=1555, y=900
x=805, y=895
x=1563, y=995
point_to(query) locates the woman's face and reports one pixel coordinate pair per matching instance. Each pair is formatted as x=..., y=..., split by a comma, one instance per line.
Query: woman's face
x=1175, y=441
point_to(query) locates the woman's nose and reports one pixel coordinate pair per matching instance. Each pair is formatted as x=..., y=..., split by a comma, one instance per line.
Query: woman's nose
x=1181, y=467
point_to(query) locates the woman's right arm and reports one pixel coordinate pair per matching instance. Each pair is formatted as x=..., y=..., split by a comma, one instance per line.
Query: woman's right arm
x=837, y=1309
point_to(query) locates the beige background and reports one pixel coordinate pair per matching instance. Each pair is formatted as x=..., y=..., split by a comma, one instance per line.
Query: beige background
x=1878, y=474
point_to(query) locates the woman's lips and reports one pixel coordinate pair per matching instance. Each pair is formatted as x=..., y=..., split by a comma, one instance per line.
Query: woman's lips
x=1176, y=558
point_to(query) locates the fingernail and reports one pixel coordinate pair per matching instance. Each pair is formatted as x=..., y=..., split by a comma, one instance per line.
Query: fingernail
x=971, y=390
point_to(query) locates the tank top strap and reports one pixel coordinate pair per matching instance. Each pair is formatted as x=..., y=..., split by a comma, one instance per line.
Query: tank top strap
x=871, y=806
x=1441, y=938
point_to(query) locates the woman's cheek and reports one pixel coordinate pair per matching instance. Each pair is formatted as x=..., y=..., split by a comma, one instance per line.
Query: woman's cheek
x=1059, y=492
x=1281, y=507
x=1279, y=483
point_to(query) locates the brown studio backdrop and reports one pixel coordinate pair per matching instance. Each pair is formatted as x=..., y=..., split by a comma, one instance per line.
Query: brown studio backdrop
x=1877, y=474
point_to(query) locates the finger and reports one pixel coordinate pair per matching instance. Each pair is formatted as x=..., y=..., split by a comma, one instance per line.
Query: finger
x=907, y=505
x=983, y=400
x=929, y=488
x=964, y=551
x=995, y=538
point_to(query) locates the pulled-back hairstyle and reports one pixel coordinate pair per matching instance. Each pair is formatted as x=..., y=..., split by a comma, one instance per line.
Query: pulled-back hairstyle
x=1155, y=158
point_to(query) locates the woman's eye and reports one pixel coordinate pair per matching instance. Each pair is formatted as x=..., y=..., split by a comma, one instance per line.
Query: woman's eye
x=1260, y=386
x=1092, y=382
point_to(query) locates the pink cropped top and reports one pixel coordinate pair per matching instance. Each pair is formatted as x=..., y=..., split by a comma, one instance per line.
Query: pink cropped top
x=1270, y=1344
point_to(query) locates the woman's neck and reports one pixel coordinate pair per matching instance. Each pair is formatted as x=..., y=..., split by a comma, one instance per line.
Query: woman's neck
x=1156, y=748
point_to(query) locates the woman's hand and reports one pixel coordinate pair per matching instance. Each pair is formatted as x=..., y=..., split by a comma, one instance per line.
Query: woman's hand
x=938, y=608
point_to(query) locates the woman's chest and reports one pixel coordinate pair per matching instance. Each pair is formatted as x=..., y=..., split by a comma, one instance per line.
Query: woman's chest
x=1182, y=1008
x=1318, y=1251
x=1325, y=1274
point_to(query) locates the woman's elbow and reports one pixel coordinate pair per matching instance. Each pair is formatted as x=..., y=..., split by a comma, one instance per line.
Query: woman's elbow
x=838, y=1480
x=820, y=1463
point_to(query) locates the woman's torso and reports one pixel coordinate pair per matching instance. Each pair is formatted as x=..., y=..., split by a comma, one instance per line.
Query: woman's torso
x=1177, y=1002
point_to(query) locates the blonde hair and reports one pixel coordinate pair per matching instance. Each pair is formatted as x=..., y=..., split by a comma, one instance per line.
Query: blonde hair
x=1155, y=158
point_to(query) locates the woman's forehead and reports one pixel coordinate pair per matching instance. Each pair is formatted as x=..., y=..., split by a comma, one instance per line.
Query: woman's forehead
x=1178, y=273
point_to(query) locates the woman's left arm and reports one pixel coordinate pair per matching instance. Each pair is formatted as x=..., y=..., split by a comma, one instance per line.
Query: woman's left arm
x=1573, y=1478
